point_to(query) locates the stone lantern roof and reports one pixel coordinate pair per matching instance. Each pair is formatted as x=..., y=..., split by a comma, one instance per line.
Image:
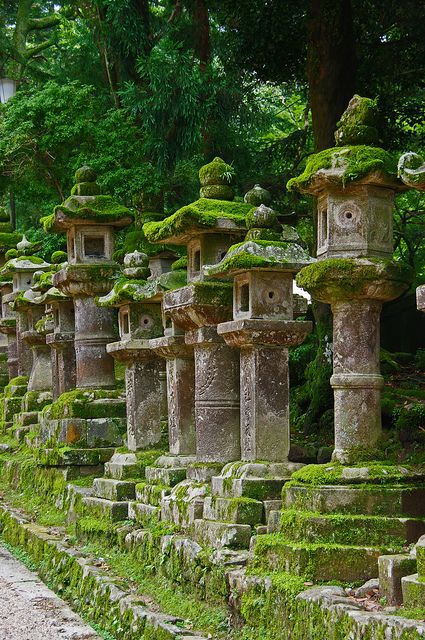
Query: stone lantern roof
x=264, y=248
x=356, y=158
x=23, y=264
x=85, y=206
x=135, y=285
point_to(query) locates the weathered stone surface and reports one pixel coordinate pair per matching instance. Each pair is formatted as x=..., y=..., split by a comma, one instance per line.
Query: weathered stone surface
x=180, y=392
x=121, y=466
x=420, y=297
x=143, y=513
x=166, y=476
x=113, y=511
x=413, y=590
x=116, y=490
x=217, y=412
x=392, y=569
x=239, y=510
x=220, y=534
x=376, y=500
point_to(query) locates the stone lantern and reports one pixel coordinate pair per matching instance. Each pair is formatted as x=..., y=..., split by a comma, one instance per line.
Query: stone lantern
x=262, y=329
x=138, y=321
x=94, y=416
x=355, y=187
x=22, y=270
x=207, y=227
x=8, y=329
x=39, y=391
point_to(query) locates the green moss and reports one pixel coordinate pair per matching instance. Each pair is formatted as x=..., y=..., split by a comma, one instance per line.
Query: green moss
x=213, y=293
x=201, y=214
x=333, y=472
x=216, y=172
x=360, y=161
x=348, y=276
x=9, y=240
x=181, y=263
x=101, y=208
x=79, y=403
x=18, y=381
x=58, y=257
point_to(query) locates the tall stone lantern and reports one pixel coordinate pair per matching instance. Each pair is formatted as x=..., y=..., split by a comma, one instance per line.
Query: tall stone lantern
x=89, y=221
x=355, y=185
x=207, y=227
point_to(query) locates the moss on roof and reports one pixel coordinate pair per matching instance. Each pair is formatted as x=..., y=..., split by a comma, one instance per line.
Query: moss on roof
x=201, y=214
x=126, y=290
x=98, y=208
x=261, y=253
x=350, y=163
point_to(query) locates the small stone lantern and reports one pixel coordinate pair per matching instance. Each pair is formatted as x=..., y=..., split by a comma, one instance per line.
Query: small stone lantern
x=139, y=320
x=355, y=185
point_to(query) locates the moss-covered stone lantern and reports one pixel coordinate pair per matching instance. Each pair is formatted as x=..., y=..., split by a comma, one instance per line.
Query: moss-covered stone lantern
x=208, y=227
x=89, y=220
x=90, y=418
x=139, y=320
x=22, y=269
x=355, y=184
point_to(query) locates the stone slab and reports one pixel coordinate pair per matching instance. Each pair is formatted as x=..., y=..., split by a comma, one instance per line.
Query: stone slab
x=392, y=569
x=113, y=511
x=237, y=510
x=116, y=490
x=219, y=534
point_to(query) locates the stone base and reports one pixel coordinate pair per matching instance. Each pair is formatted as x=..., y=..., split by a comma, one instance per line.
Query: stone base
x=115, y=490
x=237, y=510
x=106, y=509
x=184, y=504
x=413, y=590
x=74, y=457
x=221, y=534
x=391, y=571
x=203, y=472
x=122, y=466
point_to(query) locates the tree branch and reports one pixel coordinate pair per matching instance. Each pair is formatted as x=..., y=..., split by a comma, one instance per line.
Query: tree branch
x=36, y=24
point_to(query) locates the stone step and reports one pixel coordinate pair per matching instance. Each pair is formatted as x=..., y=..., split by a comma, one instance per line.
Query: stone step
x=220, y=534
x=349, y=528
x=238, y=510
x=185, y=503
x=166, y=476
x=151, y=493
x=144, y=514
x=26, y=418
x=317, y=562
x=112, y=511
x=394, y=501
x=203, y=472
x=271, y=505
x=122, y=466
x=21, y=433
x=116, y=490
x=78, y=457
x=413, y=590
x=256, y=488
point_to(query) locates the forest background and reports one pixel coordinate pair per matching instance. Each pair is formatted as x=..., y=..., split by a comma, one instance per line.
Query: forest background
x=148, y=91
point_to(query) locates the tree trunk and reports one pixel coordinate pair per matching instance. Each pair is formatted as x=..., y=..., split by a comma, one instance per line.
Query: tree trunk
x=331, y=66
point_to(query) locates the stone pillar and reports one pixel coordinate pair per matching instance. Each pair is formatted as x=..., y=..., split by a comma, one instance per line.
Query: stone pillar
x=61, y=342
x=143, y=392
x=94, y=329
x=23, y=350
x=41, y=371
x=217, y=408
x=180, y=369
x=356, y=378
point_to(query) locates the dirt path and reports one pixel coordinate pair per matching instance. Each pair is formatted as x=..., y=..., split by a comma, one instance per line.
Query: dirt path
x=31, y=611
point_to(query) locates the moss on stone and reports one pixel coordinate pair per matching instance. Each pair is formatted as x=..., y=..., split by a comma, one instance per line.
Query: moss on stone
x=181, y=263
x=58, y=257
x=346, y=277
x=9, y=240
x=80, y=403
x=213, y=293
x=103, y=209
x=356, y=161
x=216, y=172
x=203, y=213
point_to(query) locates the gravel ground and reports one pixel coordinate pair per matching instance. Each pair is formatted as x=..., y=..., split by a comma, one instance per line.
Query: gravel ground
x=31, y=611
